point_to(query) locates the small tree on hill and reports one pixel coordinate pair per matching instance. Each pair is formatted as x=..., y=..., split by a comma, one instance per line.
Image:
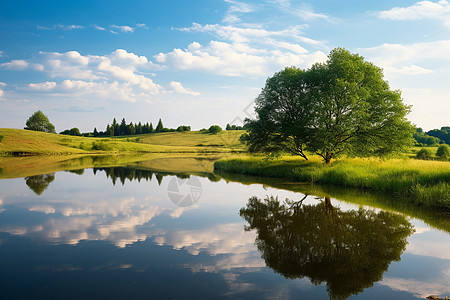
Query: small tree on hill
x=159, y=127
x=39, y=122
x=214, y=129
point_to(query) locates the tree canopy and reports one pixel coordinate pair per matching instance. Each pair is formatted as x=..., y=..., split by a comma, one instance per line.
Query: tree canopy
x=341, y=106
x=39, y=122
x=214, y=129
x=348, y=250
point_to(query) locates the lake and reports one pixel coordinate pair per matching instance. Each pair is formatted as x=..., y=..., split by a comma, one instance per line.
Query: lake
x=146, y=230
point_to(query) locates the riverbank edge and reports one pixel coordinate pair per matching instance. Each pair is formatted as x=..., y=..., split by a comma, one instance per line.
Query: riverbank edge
x=428, y=187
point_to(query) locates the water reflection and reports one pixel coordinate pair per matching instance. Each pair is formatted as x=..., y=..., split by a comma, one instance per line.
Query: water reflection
x=115, y=227
x=39, y=183
x=348, y=250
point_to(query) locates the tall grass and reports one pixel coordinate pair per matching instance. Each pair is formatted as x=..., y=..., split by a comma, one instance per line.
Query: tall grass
x=424, y=183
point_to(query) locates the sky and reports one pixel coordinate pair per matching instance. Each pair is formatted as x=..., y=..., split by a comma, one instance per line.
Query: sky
x=204, y=62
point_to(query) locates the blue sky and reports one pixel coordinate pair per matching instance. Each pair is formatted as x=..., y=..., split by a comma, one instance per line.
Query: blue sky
x=200, y=63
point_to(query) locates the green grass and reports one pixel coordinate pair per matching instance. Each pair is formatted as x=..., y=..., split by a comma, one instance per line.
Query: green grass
x=26, y=142
x=424, y=183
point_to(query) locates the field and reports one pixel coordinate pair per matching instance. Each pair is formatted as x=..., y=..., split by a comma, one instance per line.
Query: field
x=425, y=183
x=24, y=142
x=420, y=182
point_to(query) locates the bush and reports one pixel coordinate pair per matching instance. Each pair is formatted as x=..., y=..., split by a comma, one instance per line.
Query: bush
x=183, y=128
x=443, y=152
x=1, y=138
x=424, y=154
x=214, y=129
x=100, y=146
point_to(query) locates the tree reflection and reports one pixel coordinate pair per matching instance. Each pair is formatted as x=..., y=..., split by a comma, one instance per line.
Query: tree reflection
x=348, y=250
x=127, y=173
x=39, y=183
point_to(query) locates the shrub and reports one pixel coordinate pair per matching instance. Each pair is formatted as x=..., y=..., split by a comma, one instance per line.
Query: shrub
x=443, y=152
x=1, y=138
x=214, y=129
x=424, y=154
x=100, y=146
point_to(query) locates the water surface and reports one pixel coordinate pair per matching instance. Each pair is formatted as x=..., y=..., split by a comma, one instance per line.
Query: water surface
x=130, y=232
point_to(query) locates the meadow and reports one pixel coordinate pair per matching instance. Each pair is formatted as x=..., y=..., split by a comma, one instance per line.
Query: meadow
x=424, y=183
x=17, y=142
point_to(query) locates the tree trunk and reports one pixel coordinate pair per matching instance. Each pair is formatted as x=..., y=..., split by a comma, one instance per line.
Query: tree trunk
x=327, y=158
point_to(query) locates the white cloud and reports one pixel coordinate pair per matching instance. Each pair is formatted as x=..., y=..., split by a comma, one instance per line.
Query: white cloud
x=69, y=27
x=17, y=64
x=1, y=53
x=119, y=75
x=420, y=11
x=221, y=239
x=236, y=7
x=243, y=34
x=142, y=25
x=60, y=26
x=43, y=86
x=178, y=87
x=420, y=289
x=99, y=27
x=125, y=29
x=308, y=14
x=409, y=70
x=229, y=60
x=411, y=59
x=293, y=47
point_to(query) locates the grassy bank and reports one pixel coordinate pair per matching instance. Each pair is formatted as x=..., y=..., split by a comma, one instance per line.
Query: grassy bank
x=26, y=142
x=424, y=183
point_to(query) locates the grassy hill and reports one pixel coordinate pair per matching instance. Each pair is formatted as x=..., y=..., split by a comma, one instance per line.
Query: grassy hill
x=25, y=142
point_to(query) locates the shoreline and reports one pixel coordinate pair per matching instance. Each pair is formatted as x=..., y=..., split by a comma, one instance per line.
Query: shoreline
x=422, y=183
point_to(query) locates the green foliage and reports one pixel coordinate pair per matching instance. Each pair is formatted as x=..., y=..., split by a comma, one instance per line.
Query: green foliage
x=424, y=154
x=214, y=129
x=100, y=145
x=443, y=152
x=233, y=127
x=342, y=106
x=183, y=128
x=443, y=134
x=159, y=127
x=419, y=182
x=283, y=115
x=74, y=131
x=1, y=138
x=425, y=139
x=39, y=122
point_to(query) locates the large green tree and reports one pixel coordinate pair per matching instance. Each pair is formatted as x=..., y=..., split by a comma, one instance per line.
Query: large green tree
x=283, y=115
x=39, y=122
x=341, y=106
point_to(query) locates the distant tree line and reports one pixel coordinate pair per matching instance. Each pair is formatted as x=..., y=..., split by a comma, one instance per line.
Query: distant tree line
x=433, y=137
x=233, y=127
x=123, y=128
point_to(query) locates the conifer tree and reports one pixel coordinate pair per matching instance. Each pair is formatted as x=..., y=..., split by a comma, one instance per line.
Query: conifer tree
x=159, y=127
